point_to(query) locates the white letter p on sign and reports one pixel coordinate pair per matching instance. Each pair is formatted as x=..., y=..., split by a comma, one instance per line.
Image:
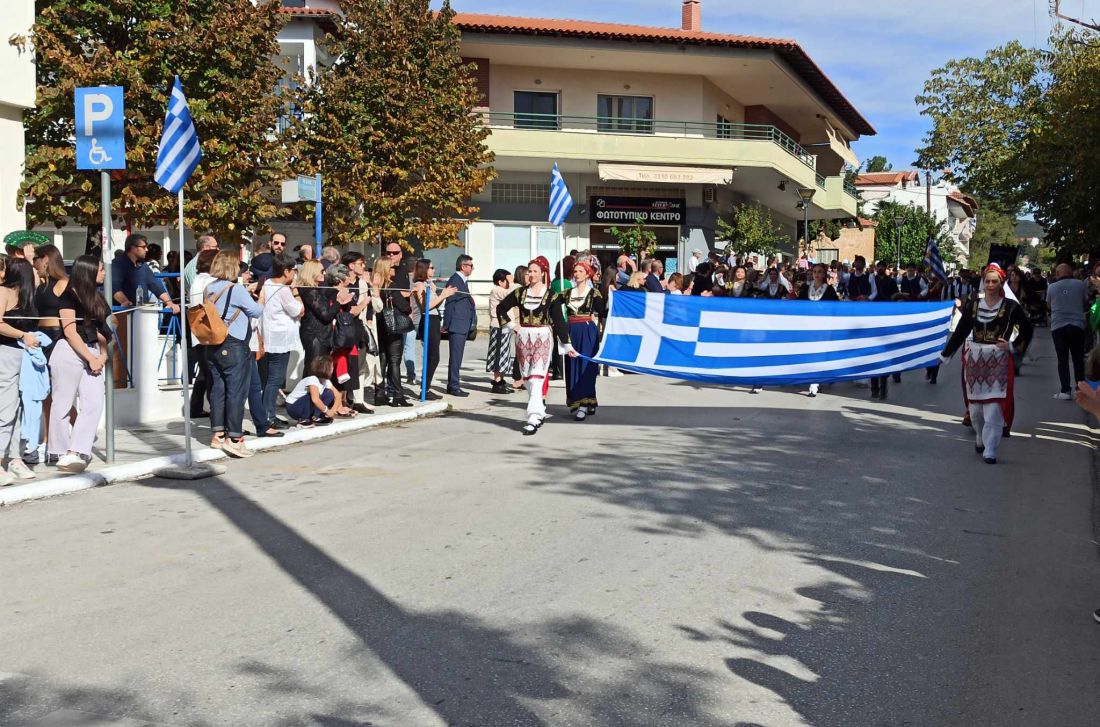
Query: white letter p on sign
x=97, y=107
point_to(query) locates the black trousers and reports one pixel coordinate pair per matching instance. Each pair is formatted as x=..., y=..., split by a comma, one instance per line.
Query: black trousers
x=879, y=385
x=1069, y=343
x=200, y=390
x=392, y=345
x=433, y=347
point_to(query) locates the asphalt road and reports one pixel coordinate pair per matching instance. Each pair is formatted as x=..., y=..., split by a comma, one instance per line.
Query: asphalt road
x=692, y=556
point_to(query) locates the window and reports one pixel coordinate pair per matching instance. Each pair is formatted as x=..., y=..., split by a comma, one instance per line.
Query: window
x=536, y=110
x=725, y=128
x=444, y=258
x=629, y=114
x=828, y=255
x=515, y=245
x=519, y=193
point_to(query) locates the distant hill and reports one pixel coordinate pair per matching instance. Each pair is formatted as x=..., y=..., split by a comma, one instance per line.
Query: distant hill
x=1027, y=229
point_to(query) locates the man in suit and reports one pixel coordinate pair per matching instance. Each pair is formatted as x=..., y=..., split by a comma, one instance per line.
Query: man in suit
x=653, y=278
x=459, y=318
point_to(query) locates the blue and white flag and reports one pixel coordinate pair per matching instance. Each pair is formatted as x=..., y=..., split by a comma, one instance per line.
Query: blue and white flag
x=179, y=151
x=765, y=342
x=560, y=200
x=934, y=259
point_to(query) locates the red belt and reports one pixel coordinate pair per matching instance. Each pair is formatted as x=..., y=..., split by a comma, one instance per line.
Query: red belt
x=581, y=319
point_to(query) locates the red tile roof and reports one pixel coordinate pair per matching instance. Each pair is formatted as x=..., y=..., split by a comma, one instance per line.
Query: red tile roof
x=307, y=12
x=890, y=178
x=789, y=50
x=966, y=201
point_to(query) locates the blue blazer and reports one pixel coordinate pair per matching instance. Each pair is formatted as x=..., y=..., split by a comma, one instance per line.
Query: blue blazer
x=459, y=314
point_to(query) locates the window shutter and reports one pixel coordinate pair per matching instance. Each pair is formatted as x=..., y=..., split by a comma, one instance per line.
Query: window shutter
x=479, y=68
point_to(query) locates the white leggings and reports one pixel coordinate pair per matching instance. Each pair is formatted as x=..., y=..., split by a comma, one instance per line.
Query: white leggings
x=989, y=422
x=73, y=384
x=536, y=405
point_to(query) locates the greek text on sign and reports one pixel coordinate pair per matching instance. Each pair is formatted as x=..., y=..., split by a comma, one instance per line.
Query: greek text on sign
x=100, y=128
x=653, y=211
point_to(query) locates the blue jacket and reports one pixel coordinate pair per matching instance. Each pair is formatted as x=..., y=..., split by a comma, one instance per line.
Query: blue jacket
x=34, y=377
x=459, y=315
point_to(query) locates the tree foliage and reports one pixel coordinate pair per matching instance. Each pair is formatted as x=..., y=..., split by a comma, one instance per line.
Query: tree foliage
x=877, y=163
x=916, y=226
x=389, y=125
x=223, y=52
x=636, y=240
x=751, y=228
x=1021, y=128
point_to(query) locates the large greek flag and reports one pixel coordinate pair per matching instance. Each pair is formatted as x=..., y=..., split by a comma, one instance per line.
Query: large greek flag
x=934, y=259
x=179, y=151
x=560, y=199
x=751, y=341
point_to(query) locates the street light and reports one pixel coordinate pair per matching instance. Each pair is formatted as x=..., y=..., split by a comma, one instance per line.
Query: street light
x=898, y=222
x=806, y=194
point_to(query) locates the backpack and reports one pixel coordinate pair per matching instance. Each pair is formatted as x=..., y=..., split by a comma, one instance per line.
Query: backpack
x=209, y=328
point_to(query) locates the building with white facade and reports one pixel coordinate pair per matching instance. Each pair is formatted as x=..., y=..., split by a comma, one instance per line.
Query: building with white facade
x=17, y=91
x=942, y=199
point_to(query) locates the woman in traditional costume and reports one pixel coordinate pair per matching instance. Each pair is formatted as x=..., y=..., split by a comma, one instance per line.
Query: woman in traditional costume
x=774, y=286
x=984, y=332
x=816, y=290
x=586, y=308
x=541, y=320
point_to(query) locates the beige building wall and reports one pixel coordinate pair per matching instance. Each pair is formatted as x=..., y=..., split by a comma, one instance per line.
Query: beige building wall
x=17, y=89
x=854, y=241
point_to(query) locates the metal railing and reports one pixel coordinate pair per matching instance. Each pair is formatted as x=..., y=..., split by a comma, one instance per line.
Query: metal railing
x=652, y=127
x=850, y=188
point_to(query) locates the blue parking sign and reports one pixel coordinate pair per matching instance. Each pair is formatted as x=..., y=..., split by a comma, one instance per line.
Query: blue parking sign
x=100, y=128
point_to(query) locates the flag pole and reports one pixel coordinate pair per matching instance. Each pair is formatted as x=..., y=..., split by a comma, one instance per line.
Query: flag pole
x=185, y=342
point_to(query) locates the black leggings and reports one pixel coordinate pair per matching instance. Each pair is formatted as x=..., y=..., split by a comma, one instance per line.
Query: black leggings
x=433, y=345
x=392, y=347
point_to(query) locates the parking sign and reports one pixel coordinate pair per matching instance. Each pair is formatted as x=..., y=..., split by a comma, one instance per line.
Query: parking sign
x=100, y=132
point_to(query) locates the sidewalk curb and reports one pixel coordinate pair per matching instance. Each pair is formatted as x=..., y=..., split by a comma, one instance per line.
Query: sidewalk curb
x=131, y=470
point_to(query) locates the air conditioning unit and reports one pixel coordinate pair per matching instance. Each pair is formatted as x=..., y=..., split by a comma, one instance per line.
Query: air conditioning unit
x=710, y=195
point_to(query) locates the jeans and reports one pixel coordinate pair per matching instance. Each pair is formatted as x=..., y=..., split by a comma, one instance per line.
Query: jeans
x=256, y=408
x=230, y=372
x=275, y=379
x=200, y=392
x=1069, y=343
x=303, y=409
x=410, y=353
x=392, y=346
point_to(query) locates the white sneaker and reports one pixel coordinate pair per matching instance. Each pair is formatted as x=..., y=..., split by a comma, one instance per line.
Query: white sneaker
x=6, y=478
x=18, y=468
x=70, y=462
x=1063, y=396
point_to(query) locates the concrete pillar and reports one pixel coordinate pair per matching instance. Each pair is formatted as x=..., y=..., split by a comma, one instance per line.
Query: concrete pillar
x=145, y=347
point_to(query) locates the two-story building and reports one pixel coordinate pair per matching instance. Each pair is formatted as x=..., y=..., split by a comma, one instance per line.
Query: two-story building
x=670, y=125
x=17, y=90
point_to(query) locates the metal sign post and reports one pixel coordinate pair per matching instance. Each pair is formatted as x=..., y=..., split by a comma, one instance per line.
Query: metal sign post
x=101, y=145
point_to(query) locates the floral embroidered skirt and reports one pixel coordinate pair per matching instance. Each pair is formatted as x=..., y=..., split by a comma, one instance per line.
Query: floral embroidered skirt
x=534, y=347
x=987, y=374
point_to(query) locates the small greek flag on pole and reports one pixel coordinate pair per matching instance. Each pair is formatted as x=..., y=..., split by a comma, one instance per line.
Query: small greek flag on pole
x=179, y=151
x=560, y=201
x=934, y=259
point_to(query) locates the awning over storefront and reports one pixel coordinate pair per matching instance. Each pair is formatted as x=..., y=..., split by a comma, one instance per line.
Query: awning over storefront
x=665, y=175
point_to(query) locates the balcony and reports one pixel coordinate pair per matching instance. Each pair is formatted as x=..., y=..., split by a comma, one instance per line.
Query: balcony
x=759, y=152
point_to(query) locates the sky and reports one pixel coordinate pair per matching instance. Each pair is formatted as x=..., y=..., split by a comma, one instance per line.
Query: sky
x=878, y=52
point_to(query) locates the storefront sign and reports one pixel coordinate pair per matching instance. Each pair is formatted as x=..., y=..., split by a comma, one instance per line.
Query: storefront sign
x=666, y=175
x=651, y=211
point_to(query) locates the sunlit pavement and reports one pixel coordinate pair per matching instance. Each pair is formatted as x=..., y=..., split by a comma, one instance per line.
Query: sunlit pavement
x=691, y=556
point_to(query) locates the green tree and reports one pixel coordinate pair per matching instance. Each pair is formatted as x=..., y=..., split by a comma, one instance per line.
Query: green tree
x=223, y=52
x=389, y=125
x=636, y=240
x=1021, y=128
x=878, y=163
x=751, y=228
x=996, y=226
x=916, y=226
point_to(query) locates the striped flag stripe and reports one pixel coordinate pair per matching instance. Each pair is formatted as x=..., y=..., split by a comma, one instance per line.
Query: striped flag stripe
x=560, y=200
x=179, y=152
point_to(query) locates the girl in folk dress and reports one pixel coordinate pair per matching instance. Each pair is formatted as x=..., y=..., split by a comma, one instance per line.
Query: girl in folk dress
x=818, y=289
x=541, y=320
x=984, y=332
x=586, y=308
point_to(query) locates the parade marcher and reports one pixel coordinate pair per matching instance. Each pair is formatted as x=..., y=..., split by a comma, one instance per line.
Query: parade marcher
x=937, y=290
x=913, y=286
x=541, y=320
x=586, y=308
x=818, y=289
x=885, y=290
x=861, y=284
x=774, y=286
x=988, y=374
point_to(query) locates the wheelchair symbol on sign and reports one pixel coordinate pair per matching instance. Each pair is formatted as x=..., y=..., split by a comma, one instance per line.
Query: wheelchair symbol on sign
x=97, y=155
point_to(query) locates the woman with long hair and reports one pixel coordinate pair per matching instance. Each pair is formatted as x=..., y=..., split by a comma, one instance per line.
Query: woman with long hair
x=541, y=320
x=76, y=366
x=17, y=332
x=53, y=280
x=586, y=309
x=984, y=332
x=231, y=361
x=391, y=343
x=422, y=278
x=321, y=306
x=817, y=289
x=774, y=286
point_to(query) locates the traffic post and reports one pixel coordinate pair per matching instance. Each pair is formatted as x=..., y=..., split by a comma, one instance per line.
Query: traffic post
x=306, y=189
x=101, y=146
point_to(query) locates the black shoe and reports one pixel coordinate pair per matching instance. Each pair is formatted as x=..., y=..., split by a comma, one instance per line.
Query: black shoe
x=874, y=395
x=1096, y=615
x=1006, y=432
x=200, y=415
x=321, y=421
x=30, y=458
x=591, y=411
x=361, y=408
x=381, y=399
x=280, y=420
x=932, y=380
x=457, y=392
x=432, y=396
x=979, y=448
x=51, y=459
x=401, y=402
x=897, y=378
x=410, y=380
x=499, y=387
x=280, y=424
x=272, y=432
x=990, y=460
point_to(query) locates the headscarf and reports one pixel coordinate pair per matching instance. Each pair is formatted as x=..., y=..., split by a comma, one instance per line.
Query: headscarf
x=588, y=267
x=995, y=268
x=543, y=264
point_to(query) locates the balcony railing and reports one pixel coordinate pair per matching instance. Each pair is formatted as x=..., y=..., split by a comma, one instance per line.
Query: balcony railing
x=850, y=188
x=652, y=127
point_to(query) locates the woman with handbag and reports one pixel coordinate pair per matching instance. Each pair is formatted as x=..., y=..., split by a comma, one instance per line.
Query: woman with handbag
x=393, y=323
x=347, y=336
x=370, y=369
x=282, y=310
x=422, y=278
x=231, y=360
x=321, y=305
